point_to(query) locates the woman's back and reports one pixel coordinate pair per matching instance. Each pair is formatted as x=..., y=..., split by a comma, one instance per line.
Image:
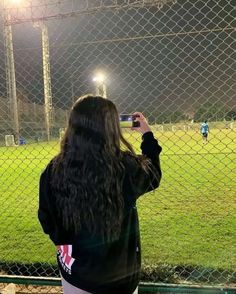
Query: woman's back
x=88, y=201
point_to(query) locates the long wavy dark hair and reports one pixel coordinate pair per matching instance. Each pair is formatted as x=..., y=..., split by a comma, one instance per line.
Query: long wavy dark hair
x=88, y=172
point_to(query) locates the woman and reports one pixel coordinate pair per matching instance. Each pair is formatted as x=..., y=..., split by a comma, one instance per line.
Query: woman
x=88, y=196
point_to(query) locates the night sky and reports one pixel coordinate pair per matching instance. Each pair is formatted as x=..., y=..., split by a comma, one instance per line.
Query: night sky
x=173, y=59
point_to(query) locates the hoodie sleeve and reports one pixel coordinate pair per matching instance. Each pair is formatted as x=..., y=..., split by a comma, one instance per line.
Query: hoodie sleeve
x=140, y=180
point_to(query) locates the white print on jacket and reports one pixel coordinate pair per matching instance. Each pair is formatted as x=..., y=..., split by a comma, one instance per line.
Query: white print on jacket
x=64, y=253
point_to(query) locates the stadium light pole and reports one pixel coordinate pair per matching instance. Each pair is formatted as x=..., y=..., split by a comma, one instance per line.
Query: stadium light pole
x=10, y=69
x=101, y=88
x=46, y=77
x=73, y=89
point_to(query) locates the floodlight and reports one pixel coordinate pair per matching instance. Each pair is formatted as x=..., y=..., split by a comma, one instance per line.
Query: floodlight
x=101, y=89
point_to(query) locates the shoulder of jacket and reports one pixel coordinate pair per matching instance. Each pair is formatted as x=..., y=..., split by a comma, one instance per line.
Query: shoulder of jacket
x=131, y=161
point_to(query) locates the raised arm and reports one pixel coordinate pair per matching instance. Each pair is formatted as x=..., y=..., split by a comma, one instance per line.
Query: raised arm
x=144, y=174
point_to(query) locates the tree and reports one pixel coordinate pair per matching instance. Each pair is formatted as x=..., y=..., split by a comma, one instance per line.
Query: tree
x=231, y=115
x=165, y=116
x=210, y=111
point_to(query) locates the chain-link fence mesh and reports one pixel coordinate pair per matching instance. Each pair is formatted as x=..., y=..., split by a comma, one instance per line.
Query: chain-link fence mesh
x=172, y=60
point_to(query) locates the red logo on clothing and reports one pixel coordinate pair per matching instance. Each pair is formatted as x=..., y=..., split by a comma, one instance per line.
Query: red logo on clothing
x=65, y=257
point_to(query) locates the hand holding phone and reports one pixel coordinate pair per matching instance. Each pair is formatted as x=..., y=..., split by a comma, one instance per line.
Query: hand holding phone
x=128, y=121
x=143, y=123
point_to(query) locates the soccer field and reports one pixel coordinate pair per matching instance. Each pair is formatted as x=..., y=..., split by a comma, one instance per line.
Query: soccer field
x=188, y=221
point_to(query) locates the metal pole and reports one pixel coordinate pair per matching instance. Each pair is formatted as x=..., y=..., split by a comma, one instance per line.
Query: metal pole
x=72, y=91
x=96, y=89
x=46, y=78
x=101, y=89
x=35, y=112
x=104, y=90
x=11, y=78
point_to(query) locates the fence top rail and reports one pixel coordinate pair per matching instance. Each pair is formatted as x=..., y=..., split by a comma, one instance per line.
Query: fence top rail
x=144, y=287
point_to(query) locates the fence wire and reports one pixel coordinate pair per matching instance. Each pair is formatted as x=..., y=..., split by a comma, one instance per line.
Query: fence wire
x=172, y=60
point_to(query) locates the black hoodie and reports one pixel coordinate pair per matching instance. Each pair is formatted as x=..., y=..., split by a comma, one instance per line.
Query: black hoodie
x=87, y=261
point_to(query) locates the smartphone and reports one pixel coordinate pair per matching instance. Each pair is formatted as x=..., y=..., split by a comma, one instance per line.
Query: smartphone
x=128, y=121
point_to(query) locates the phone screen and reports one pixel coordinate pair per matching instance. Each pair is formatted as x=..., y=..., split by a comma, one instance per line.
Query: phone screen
x=126, y=120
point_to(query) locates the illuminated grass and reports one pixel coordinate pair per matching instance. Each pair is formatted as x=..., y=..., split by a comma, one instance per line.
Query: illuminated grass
x=187, y=221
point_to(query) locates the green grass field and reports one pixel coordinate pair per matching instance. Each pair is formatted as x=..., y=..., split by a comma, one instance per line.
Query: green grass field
x=189, y=220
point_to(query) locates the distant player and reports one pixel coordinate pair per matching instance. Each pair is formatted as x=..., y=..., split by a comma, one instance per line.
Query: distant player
x=204, y=129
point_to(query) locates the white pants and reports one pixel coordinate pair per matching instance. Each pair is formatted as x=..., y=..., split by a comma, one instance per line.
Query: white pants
x=70, y=289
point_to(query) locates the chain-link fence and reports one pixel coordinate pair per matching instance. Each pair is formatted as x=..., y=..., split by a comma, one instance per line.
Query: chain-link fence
x=172, y=60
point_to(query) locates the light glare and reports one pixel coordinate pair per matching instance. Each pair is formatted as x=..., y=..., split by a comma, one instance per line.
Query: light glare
x=14, y=3
x=99, y=78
